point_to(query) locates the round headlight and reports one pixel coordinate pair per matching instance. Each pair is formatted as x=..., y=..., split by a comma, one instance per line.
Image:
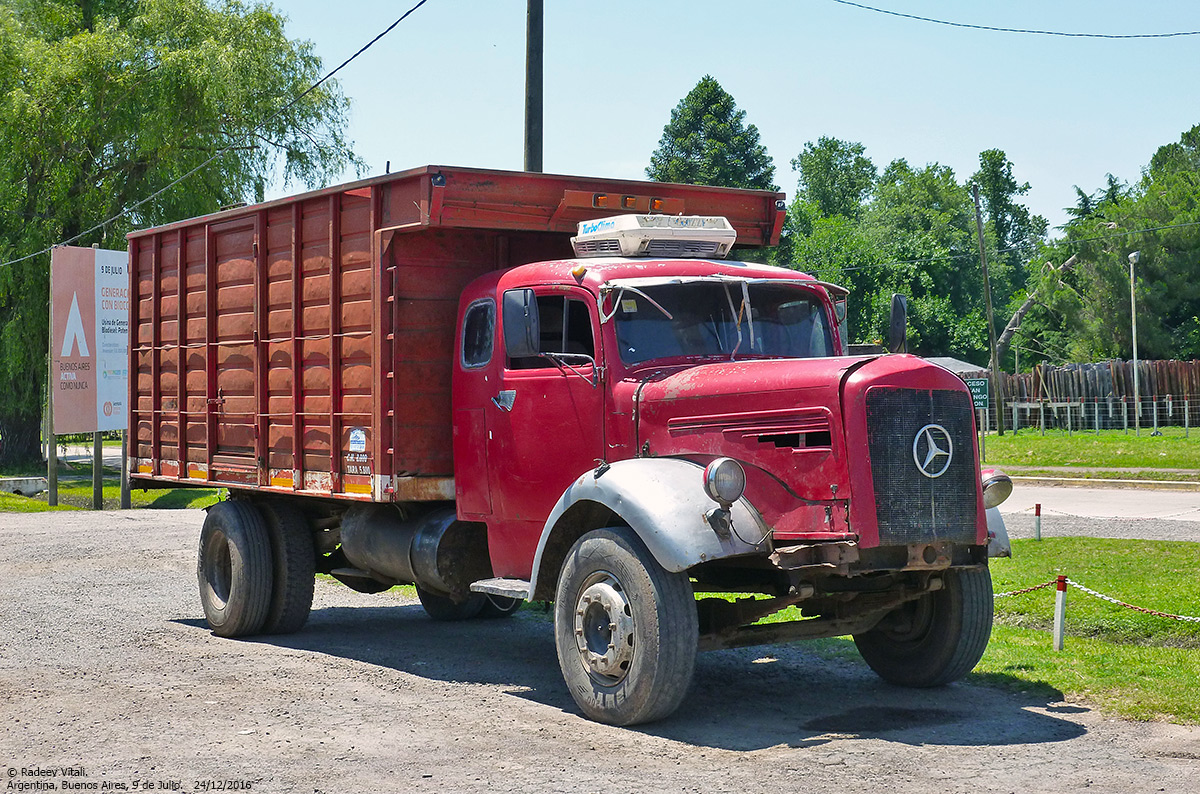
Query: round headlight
x=724, y=481
x=997, y=486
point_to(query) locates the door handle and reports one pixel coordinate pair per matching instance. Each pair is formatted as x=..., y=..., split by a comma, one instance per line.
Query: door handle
x=505, y=399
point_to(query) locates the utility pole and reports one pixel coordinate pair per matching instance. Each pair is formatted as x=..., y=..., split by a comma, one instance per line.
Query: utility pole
x=533, y=87
x=1137, y=395
x=987, y=301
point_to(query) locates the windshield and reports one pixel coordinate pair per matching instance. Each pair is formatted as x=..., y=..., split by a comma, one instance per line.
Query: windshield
x=730, y=320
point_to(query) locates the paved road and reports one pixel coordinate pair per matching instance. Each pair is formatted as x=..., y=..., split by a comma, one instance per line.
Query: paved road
x=1104, y=512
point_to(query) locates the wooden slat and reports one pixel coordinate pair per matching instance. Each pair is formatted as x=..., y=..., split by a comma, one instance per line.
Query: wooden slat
x=155, y=354
x=297, y=363
x=335, y=342
x=262, y=363
x=181, y=339
x=210, y=347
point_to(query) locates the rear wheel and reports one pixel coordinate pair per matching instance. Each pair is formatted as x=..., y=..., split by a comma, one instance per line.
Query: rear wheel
x=495, y=606
x=936, y=639
x=234, y=569
x=440, y=607
x=294, y=567
x=625, y=629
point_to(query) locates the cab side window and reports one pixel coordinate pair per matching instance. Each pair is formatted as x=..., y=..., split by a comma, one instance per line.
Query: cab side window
x=565, y=326
x=479, y=333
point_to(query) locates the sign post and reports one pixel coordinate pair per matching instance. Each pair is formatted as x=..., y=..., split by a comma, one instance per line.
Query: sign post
x=89, y=346
x=979, y=397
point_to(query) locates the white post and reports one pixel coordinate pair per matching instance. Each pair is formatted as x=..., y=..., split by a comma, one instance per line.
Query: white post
x=1097, y=416
x=1037, y=521
x=1185, y=418
x=1068, y=419
x=983, y=444
x=1060, y=612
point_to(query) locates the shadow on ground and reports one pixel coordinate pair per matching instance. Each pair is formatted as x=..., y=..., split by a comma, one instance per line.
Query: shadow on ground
x=745, y=699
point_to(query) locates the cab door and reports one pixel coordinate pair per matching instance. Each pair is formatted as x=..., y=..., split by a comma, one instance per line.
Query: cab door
x=545, y=426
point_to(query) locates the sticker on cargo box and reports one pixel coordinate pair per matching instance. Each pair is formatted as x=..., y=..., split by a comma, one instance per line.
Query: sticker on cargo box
x=358, y=440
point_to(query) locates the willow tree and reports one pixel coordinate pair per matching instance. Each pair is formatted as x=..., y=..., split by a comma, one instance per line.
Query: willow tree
x=103, y=103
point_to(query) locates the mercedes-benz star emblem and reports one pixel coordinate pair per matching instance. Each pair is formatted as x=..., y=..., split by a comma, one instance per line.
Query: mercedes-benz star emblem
x=933, y=450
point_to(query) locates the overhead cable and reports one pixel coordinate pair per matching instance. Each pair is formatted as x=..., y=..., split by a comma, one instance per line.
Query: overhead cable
x=1022, y=30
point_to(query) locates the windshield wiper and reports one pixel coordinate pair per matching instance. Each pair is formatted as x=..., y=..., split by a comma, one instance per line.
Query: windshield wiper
x=617, y=302
x=745, y=307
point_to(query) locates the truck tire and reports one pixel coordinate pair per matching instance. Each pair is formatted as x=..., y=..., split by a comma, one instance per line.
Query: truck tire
x=495, y=606
x=936, y=639
x=625, y=629
x=440, y=607
x=294, y=567
x=234, y=569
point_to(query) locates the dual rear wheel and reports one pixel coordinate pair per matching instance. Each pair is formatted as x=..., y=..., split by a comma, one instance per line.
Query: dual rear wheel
x=256, y=568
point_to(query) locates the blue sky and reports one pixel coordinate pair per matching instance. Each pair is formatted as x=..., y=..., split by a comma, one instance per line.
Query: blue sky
x=447, y=85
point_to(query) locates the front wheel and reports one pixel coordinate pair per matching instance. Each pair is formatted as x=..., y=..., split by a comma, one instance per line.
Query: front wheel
x=936, y=639
x=625, y=629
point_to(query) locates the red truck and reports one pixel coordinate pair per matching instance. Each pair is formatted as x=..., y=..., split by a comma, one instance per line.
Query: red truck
x=504, y=387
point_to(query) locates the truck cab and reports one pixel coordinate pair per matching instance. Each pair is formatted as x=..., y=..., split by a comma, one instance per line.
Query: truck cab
x=704, y=412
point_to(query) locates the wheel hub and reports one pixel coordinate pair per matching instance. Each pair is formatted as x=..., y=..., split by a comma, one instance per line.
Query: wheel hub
x=604, y=629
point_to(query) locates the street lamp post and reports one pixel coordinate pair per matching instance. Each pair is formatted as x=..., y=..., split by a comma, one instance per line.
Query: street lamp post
x=1137, y=395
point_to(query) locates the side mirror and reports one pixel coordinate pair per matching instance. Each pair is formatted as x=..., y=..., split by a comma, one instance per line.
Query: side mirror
x=521, y=333
x=839, y=310
x=898, y=325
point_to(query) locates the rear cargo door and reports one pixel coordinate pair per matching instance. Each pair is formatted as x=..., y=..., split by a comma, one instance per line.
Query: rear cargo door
x=545, y=427
x=233, y=337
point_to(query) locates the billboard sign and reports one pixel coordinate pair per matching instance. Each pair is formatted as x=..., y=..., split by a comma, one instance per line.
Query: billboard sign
x=89, y=346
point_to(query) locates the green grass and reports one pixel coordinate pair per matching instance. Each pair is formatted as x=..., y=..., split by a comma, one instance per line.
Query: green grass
x=11, y=503
x=1126, y=663
x=1160, y=575
x=1110, y=449
x=75, y=493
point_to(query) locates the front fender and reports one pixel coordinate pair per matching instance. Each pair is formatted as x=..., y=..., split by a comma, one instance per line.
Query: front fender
x=663, y=501
x=998, y=543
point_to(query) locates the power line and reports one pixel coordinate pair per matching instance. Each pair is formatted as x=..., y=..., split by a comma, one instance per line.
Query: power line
x=1068, y=243
x=219, y=152
x=1022, y=30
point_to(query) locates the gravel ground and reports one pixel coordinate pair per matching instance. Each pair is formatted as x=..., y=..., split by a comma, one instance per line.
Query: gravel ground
x=106, y=666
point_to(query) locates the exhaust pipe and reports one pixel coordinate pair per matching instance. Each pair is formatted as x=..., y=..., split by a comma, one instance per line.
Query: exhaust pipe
x=435, y=550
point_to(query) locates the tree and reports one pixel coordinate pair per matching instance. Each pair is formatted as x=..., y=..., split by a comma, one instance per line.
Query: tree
x=835, y=176
x=1017, y=232
x=105, y=102
x=707, y=142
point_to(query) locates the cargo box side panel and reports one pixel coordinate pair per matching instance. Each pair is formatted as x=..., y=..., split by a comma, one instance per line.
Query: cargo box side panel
x=254, y=355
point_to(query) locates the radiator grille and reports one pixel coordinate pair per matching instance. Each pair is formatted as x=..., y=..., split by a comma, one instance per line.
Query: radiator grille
x=910, y=506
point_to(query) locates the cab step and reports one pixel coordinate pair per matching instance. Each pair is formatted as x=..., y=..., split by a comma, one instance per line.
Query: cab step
x=509, y=588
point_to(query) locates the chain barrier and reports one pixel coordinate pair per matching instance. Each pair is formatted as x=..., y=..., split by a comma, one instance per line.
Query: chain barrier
x=1108, y=518
x=1026, y=590
x=1102, y=597
x=1112, y=600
